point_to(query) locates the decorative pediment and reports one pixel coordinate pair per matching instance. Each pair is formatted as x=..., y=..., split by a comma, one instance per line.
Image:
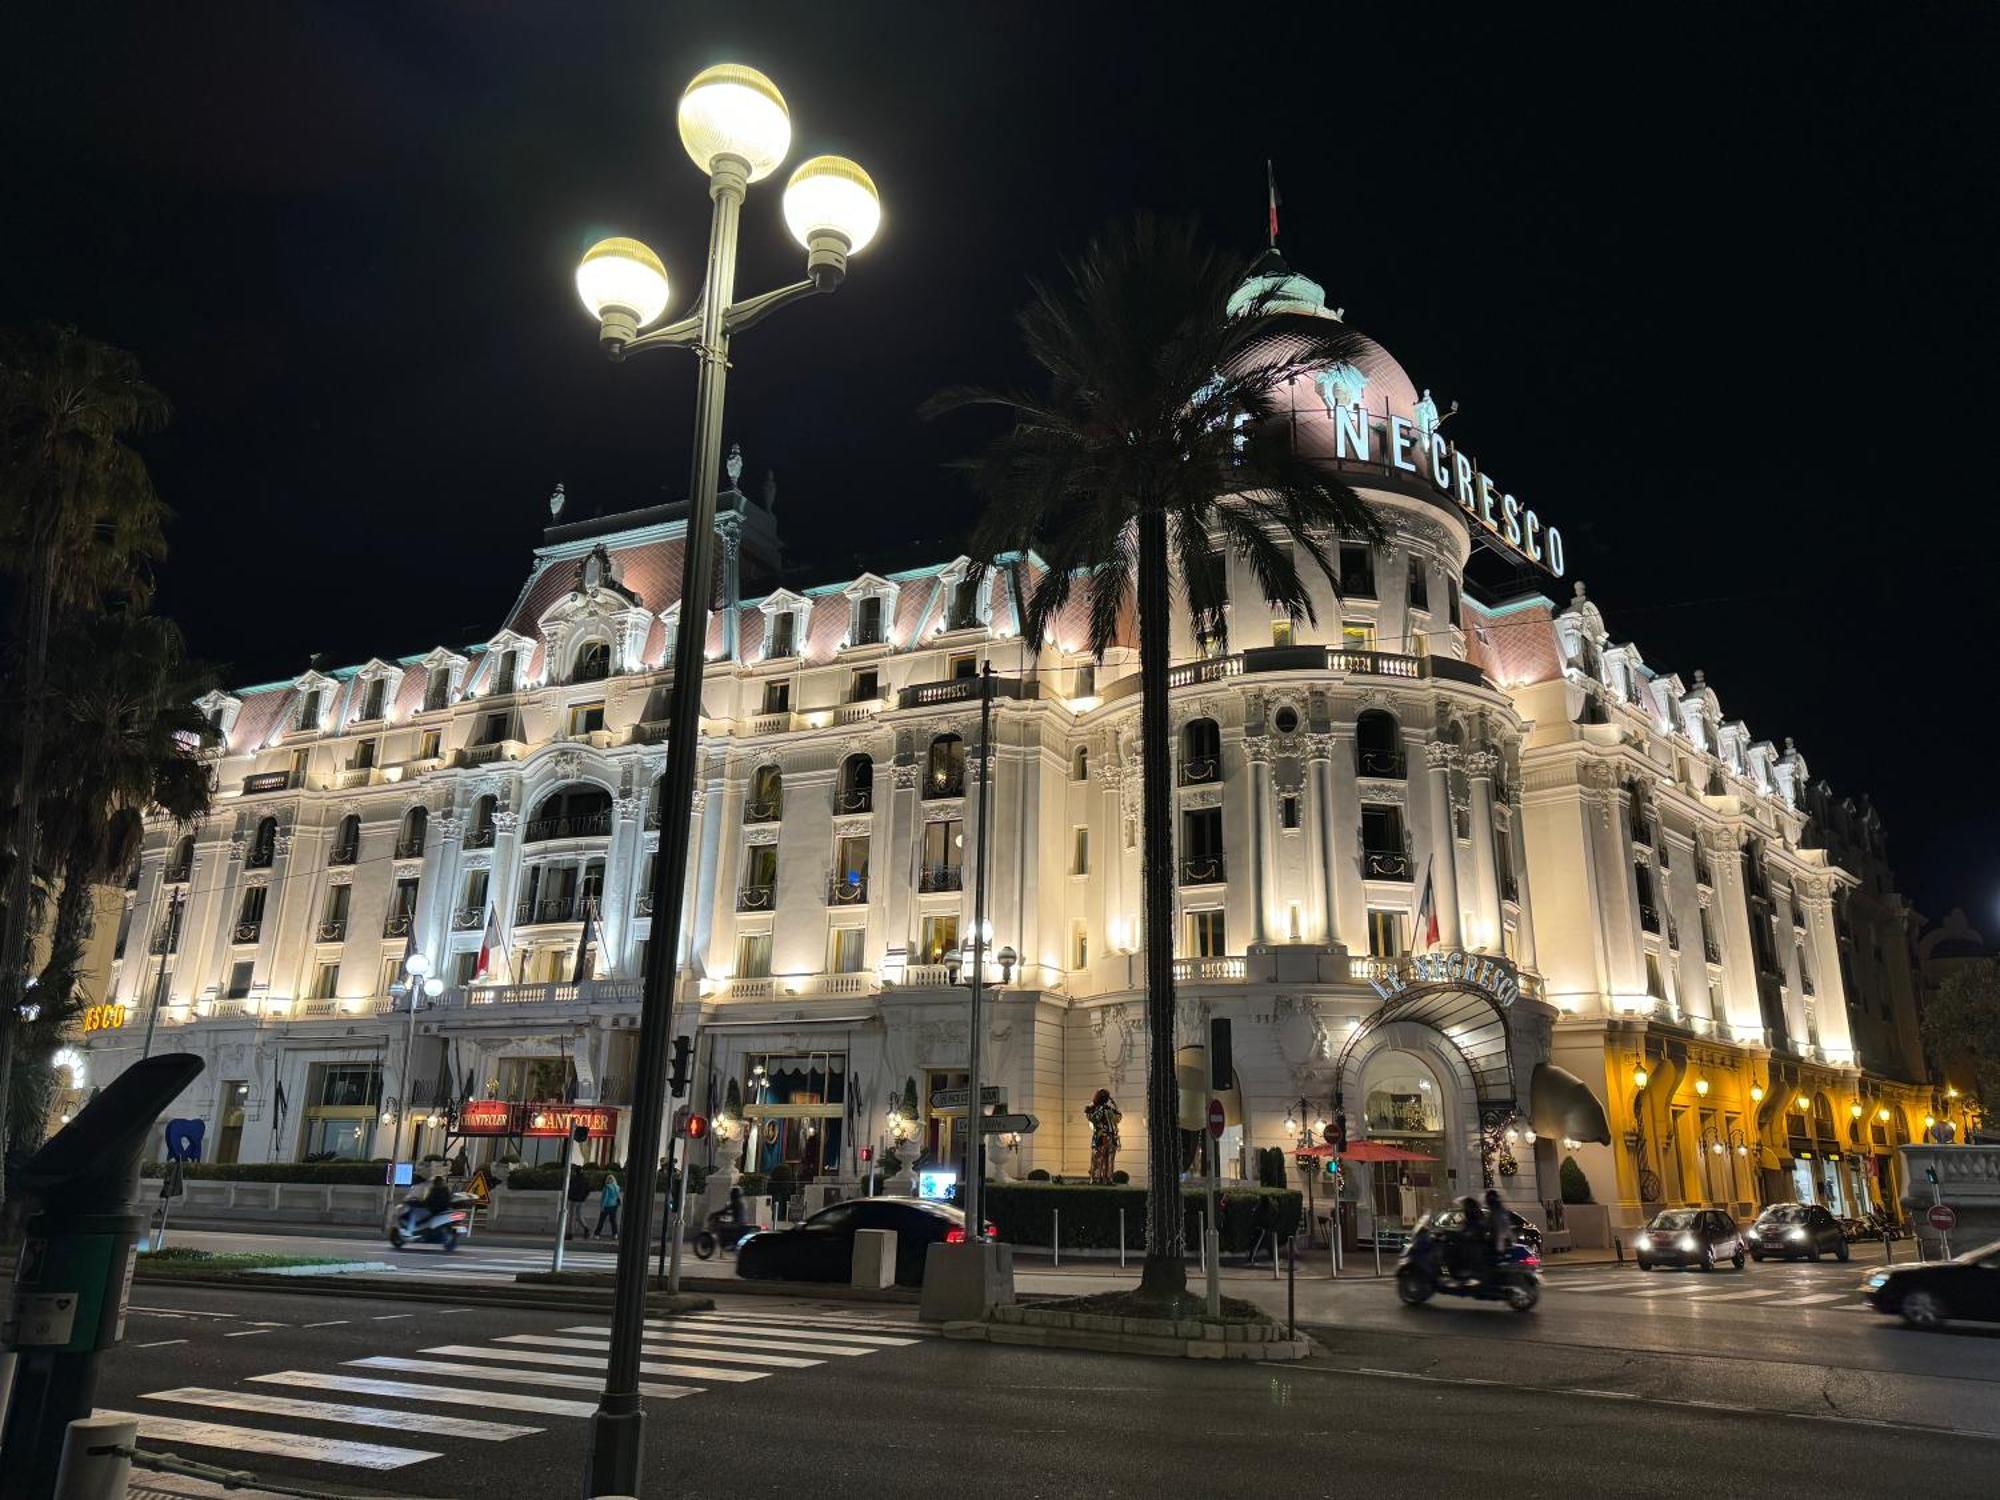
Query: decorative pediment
x=604, y=615
x=220, y=709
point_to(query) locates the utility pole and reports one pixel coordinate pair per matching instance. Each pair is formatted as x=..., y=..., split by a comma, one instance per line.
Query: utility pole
x=975, y=1219
x=160, y=985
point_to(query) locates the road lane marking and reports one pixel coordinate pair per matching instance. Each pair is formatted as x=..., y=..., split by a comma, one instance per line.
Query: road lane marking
x=735, y=1341
x=159, y=1343
x=775, y=1361
x=244, y=1333
x=434, y=1424
x=1745, y=1296
x=585, y=1362
x=389, y=1317
x=797, y=1320
x=771, y=1330
x=355, y=1455
x=447, y=1395
x=563, y=1378
x=1811, y=1299
x=330, y=1323
x=1578, y=1390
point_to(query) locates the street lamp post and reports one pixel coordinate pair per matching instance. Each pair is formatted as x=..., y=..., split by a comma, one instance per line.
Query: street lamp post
x=735, y=126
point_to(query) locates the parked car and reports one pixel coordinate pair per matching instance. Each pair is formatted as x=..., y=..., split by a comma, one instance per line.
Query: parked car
x=1786, y=1231
x=821, y=1248
x=1925, y=1296
x=1690, y=1237
x=1451, y=1220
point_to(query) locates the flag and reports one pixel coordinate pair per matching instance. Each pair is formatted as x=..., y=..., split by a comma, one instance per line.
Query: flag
x=1426, y=934
x=583, y=964
x=1271, y=183
x=491, y=946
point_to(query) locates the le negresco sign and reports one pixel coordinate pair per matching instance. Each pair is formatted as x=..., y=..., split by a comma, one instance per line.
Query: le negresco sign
x=1487, y=973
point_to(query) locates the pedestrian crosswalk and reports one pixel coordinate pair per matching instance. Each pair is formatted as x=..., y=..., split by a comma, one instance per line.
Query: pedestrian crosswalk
x=500, y=1265
x=386, y=1411
x=1670, y=1288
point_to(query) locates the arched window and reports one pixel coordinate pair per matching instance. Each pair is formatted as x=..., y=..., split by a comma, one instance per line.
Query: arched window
x=944, y=772
x=593, y=662
x=857, y=785
x=1079, y=764
x=1201, y=752
x=347, y=841
x=1378, y=746
x=481, y=834
x=182, y=864
x=264, y=846
x=437, y=689
x=766, y=803
x=576, y=811
x=410, y=842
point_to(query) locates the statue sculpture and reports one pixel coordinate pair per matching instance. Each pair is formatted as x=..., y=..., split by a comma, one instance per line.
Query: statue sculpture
x=1104, y=1115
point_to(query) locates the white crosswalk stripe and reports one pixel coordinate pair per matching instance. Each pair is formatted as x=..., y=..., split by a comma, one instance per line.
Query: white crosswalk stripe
x=551, y=1376
x=1769, y=1289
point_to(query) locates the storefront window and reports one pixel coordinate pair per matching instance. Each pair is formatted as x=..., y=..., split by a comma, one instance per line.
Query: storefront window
x=798, y=1105
x=339, y=1123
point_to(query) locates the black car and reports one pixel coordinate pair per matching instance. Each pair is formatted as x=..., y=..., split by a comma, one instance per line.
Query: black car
x=1690, y=1237
x=822, y=1247
x=1785, y=1231
x=1452, y=1220
x=1926, y=1296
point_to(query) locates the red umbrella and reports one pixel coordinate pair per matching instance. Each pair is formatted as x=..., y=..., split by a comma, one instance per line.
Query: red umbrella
x=1366, y=1151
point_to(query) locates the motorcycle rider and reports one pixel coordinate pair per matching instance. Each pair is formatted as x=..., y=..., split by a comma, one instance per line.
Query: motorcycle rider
x=1499, y=1227
x=1465, y=1251
x=435, y=1199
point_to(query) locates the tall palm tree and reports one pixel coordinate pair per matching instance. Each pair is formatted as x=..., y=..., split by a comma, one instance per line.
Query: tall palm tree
x=79, y=524
x=1151, y=447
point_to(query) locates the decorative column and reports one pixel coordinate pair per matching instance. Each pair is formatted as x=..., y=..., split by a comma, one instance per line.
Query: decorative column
x=1444, y=846
x=505, y=884
x=1479, y=766
x=1257, y=766
x=730, y=530
x=1319, y=755
x=900, y=868
x=1524, y=932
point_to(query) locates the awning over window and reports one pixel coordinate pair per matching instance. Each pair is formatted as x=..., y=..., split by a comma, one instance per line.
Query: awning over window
x=1468, y=1019
x=1560, y=1104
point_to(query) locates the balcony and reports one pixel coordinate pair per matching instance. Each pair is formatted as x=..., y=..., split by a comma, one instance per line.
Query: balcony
x=1208, y=969
x=1201, y=770
x=333, y=930
x=480, y=837
x=410, y=848
x=268, y=781
x=1711, y=951
x=650, y=732
x=946, y=783
x=851, y=891
x=1649, y=917
x=858, y=799
x=248, y=932
x=468, y=919
x=591, y=992
x=575, y=826
x=549, y=909
x=1381, y=765
x=354, y=776
x=1201, y=869
x=345, y=854
x=179, y=874
x=642, y=904
x=397, y=924
x=962, y=690
x=260, y=857
x=932, y=878
x=756, y=897
x=768, y=810
x=487, y=754
x=1385, y=864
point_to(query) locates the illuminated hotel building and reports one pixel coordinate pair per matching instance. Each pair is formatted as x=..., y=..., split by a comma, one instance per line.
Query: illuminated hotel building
x=1620, y=877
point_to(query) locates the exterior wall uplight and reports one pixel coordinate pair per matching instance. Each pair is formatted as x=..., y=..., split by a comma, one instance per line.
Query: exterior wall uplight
x=1640, y=1077
x=1854, y=1109
x=1701, y=1087
x=1756, y=1093
x=1803, y=1103
x=1930, y=1122
x=1882, y=1115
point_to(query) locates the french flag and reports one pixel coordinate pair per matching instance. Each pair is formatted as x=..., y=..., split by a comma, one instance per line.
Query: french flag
x=1427, y=916
x=492, y=949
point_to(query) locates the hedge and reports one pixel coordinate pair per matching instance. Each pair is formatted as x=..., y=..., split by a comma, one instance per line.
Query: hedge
x=1024, y=1214
x=320, y=1173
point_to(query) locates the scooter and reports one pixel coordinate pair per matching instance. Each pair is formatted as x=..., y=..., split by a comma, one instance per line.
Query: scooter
x=1422, y=1274
x=717, y=1233
x=414, y=1224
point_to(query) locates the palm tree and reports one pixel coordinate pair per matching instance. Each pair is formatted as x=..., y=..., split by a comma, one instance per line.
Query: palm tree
x=1151, y=447
x=79, y=524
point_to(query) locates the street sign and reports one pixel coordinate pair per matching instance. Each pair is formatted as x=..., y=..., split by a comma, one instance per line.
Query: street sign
x=956, y=1098
x=1009, y=1124
x=1942, y=1217
x=1215, y=1118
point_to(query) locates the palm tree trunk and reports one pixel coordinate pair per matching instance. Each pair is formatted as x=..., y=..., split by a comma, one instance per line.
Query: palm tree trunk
x=1165, y=1273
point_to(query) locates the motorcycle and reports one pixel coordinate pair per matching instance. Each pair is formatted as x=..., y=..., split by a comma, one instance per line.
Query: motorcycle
x=415, y=1224
x=718, y=1233
x=1425, y=1272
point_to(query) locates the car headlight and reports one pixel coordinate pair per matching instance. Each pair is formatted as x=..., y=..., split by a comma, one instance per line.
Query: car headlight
x=1643, y=1242
x=1687, y=1243
x=1756, y=1234
x=1876, y=1282
x=1798, y=1234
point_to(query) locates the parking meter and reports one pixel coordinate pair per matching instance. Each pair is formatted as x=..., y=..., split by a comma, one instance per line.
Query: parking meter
x=75, y=1271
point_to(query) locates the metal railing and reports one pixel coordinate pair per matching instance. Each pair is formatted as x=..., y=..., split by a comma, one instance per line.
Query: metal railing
x=260, y=857
x=1382, y=765
x=642, y=904
x=1384, y=864
x=550, y=909
x=765, y=810
x=247, y=932
x=1201, y=770
x=179, y=874
x=346, y=854
x=1711, y=951
x=851, y=891
x=941, y=878
x=410, y=848
x=333, y=930
x=397, y=924
x=468, y=919
x=949, y=783
x=1649, y=917
x=480, y=837
x=756, y=897
x=1201, y=869
x=571, y=826
x=856, y=799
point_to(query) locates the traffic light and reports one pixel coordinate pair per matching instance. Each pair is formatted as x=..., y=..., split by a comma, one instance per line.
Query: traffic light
x=697, y=1127
x=677, y=1073
x=1340, y=1130
x=1221, y=1062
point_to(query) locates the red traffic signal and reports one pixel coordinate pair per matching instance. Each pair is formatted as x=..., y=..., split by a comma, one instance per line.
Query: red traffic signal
x=694, y=1127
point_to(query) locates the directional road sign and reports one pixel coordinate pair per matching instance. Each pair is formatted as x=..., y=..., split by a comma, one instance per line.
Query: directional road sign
x=1009, y=1124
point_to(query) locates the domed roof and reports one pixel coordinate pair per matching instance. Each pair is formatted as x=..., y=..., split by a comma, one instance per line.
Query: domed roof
x=1369, y=374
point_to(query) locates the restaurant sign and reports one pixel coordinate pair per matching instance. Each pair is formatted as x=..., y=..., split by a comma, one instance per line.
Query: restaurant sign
x=503, y=1117
x=1487, y=973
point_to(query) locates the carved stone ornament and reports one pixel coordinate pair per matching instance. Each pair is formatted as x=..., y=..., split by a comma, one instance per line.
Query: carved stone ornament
x=698, y=801
x=1480, y=764
x=450, y=827
x=941, y=1043
x=341, y=876
x=479, y=859
x=764, y=834
x=1319, y=746
x=566, y=764
x=236, y=847
x=1118, y=1035
x=1439, y=755
x=1190, y=1016
x=629, y=807
x=282, y=845
x=905, y=777
x=506, y=820
x=257, y=881
x=1202, y=796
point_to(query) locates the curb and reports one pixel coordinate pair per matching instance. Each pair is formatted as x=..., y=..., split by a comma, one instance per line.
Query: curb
x=383, y=1290
x=1158, y=1346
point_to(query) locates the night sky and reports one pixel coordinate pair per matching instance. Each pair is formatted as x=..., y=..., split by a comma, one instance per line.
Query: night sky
x=1717, y=298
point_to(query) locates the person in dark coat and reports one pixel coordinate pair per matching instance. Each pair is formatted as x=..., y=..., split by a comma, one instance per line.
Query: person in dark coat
x=579, y=1194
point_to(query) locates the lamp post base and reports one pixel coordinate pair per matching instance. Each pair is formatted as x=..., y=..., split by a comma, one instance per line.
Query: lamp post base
x=616, y=1441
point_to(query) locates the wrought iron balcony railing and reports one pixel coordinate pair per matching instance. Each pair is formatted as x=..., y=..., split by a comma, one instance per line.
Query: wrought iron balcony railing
x=1202, y=869
x=1382, y=765
x=756, y=897
x=1201, y=770
x=397, y=924
x=468, y=919
x=1385, y=864
x=848, y=890
x=941, y=878
x=765, y=810
x=950, y=783
x=480, y=837
x=574, y=826
x=410, y=848
x=333, y=930
x=247, y=932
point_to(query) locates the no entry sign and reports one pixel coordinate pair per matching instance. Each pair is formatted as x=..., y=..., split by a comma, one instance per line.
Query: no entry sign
x=1215, y=1118
x=1942, y=1217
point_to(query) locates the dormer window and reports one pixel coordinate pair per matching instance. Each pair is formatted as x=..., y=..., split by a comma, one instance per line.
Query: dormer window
x=593, y=662
x=965, y=601
x=372, y=698
x=868, y=621
x=783, y=639
x=437, y=690
x=504, y=678
x=309, y=711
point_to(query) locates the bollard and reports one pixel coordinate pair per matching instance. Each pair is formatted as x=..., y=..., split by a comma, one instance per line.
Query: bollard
x=1291, y=1287
x=1121, y=1236
x=1056, y=1236
x=1204, y=1243
x=1378, y=1248
x=1888, y=1254
x=1618, y=1249
x=92, y=1467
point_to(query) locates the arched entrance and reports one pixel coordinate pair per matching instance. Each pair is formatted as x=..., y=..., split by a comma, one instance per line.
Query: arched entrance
x=1403, y=1104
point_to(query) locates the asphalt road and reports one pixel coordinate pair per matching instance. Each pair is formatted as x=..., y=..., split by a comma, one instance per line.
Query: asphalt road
x=1616, y=1385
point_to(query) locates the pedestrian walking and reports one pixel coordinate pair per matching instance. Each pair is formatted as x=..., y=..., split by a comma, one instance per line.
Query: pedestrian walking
x=579, y=1194
x=607, y=1205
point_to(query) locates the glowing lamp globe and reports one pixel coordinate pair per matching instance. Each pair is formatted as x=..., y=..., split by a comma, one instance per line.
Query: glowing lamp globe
x=622, y=278
x=730, y=110
x=830, y=195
